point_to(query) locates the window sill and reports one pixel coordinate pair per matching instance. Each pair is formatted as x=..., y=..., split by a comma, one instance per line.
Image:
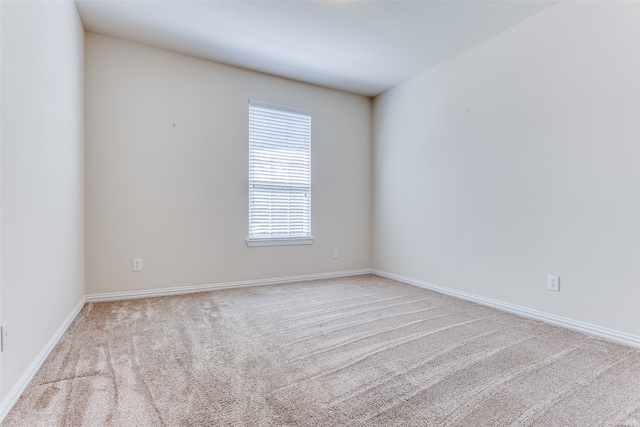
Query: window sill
x=280, y=242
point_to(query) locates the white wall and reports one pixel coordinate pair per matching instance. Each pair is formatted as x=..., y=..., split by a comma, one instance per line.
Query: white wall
x=176, y=196
x=42, y=271
x=517, y=159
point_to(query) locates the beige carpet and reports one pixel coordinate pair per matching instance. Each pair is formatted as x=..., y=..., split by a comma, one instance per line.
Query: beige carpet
x=359, y=351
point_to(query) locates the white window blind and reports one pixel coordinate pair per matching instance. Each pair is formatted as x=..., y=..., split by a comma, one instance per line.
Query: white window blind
x=279, y=174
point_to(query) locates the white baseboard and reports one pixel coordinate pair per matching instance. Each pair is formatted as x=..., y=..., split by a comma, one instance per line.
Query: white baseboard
x=16, y=391
x=115, y=296
x=587, y=328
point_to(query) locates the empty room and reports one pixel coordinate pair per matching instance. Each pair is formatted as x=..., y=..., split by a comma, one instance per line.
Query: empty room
x=320, y=213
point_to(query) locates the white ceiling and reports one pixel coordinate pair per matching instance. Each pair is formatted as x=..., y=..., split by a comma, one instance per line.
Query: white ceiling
x=365, y=47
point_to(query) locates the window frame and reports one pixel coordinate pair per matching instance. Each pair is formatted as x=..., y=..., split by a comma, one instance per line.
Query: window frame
x=306, y=239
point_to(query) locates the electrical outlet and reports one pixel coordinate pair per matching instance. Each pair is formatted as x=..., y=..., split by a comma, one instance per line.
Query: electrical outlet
x=336, y=253
x=4, y=335
x=553, y=283
x=137, y=264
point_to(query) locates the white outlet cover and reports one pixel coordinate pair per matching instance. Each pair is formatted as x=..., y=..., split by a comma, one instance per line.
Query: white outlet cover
x=5, y=337
x=137, y=264
x=553, y=283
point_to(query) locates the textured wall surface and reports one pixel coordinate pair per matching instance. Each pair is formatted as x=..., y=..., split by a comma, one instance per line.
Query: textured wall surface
x=167, y=171
x=517, y=159
x=42, y=176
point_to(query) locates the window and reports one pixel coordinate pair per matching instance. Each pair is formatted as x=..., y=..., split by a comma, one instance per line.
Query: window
x=279, y=175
